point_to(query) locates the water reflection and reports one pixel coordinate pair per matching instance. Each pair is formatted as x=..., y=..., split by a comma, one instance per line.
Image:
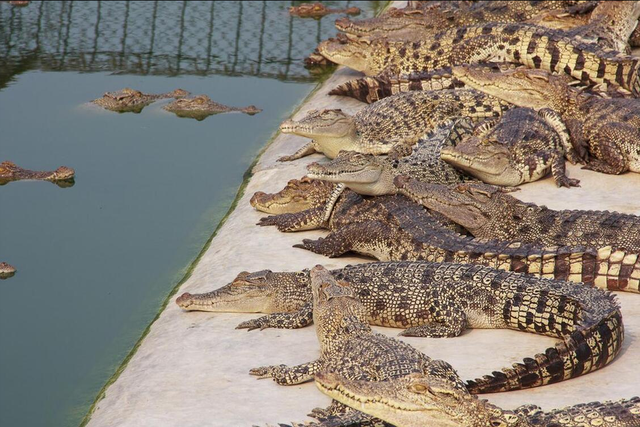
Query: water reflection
x=257, y=38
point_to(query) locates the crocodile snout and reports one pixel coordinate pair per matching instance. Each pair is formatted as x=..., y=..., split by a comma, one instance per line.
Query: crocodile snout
x=184, y=300
x=257, y=197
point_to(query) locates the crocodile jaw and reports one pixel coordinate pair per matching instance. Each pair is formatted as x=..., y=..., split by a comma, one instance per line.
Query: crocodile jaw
x=350, y=54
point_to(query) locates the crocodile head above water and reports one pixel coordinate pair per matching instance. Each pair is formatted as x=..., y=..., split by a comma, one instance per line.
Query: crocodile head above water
x=523, y=87
x=6, y=270
x=333, y=130
x=363, y=173
x=201, y=107
x=259, y=292
x=9, y=171
x=472, y=205
x=131, y=100
x=415, y=400
x=298, y=195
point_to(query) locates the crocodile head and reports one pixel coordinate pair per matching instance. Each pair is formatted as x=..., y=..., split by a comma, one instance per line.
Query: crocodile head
x=63, y=173
x=486, y=159
x=333, y=130
x=124, y=100
x=298, y=195
x=416, y=400
x=363, y=173
x=337, y=312
x=523, y=87
x=263, y=291
x=6, y=270
x=472, y=205
x=355, y=53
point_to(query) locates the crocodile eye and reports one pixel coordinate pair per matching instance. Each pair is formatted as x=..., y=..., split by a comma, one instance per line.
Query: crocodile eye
x=418, y=388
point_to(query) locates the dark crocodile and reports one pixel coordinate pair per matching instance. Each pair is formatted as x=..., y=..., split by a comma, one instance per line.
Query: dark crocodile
x=392, y=228
x=488, y=212
x=604, y=131
x=522, y=146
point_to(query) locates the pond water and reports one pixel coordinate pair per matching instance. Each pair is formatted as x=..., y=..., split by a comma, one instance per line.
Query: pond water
x=96, y=260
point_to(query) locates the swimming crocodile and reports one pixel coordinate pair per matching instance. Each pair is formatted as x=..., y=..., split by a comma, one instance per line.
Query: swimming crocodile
x=522, y=146
x=6, y=270
x=318, y=10
x=392, y=228
x=348, y=346
x=395, y=121
x=525, y=44
x=373, y=175
x=419, y=400
x=608, y=130
x=200, y=107
x=489, y=212
x=442, y=300
x=9, y=171
x=131, y=100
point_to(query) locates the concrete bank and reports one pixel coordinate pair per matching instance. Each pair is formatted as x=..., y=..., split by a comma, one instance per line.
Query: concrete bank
x=192, y=368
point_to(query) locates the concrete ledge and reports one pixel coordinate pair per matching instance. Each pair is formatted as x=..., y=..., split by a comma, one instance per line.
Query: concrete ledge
x=192, y=368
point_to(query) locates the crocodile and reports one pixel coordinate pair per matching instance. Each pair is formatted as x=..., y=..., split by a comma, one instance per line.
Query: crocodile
x=348, y=346
x=607, y=130
x=131, y=100
x=200, y=107
x=395, y=121
x=530, y=45
x=6, y=270
x=419, y=400
x=422, y=24
x=610, y=25
x=373, y=175
x=391, y=228
x=298, y=195
x=522, y=146
x=443, y=300
x=318, y=10
x=9, y=171
x=488, y=212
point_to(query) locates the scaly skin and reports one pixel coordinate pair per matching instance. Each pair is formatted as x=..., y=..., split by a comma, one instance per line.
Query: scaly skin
x=131, y=100
x=610, y=25
x=530, y=45
x=373, y=175
x=391, y=228
x=522, y=146
x=417, y=25
x=489, y=213
x=318, y=10
x=608, y=129
x=298, y=195
x=395, y=121
x=442, y=300
x=9, y=171
x=6, y=270
x=349, y=346
x=418, y=400
x=200, y=107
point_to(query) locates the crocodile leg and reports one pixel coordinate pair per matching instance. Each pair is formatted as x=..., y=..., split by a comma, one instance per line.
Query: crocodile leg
x=554, y=119
x=310, y=219
x=307, y=150
x=285, y=375
x=298, y=319
x=448, y=320
x=356, y=236
x=558, y=171
x=606, y=145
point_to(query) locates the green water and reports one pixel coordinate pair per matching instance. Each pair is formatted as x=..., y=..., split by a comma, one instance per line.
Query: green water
x=96, y=260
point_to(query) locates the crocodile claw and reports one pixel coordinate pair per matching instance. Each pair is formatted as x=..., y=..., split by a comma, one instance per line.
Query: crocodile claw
x=252, y=324
x=268, y=220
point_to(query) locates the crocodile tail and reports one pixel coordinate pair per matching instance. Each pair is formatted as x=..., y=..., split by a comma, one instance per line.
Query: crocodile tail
x=617, y=270
x=366, y=89
x=583, y=351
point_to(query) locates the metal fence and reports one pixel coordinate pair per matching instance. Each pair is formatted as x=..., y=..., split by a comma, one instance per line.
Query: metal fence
x=256, y=38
